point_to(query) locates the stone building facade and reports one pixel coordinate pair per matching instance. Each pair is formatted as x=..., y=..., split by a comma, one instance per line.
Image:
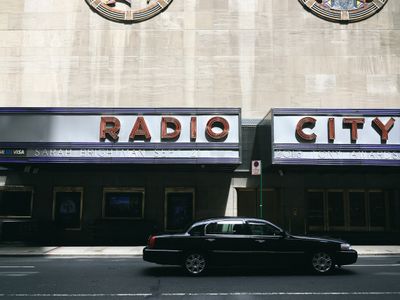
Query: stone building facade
x=255, y=55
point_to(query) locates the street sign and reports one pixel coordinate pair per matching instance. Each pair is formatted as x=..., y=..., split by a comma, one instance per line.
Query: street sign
x=256, y=167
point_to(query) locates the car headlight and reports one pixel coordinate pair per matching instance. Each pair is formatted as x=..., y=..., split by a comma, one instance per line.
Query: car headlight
x=345, y=247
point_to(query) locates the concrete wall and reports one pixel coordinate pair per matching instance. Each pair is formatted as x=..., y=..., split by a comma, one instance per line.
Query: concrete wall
x=254, y=54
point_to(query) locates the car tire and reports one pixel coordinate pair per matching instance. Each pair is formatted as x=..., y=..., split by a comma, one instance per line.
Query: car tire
x=322, y=262
x=195, y=263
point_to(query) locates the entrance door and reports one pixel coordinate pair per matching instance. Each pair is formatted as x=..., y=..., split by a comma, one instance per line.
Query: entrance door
x=179, y=208
x=67, y=207
x=249, y=204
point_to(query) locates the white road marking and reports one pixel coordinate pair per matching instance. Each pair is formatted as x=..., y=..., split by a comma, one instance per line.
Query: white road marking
x=16, y=274
x=17, y=267
x=75, y=295
x=376, y=265
x=211, y=294
x=284, y=294
x=379, y=255
x=16, y=271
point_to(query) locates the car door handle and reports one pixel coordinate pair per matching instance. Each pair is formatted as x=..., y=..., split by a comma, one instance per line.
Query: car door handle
x=260, y=241
x=210, y=240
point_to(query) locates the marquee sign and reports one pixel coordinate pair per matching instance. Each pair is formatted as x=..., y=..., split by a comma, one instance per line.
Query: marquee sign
x=329, y=137
x=60, y=135
x=344, y=11
x=128, y=11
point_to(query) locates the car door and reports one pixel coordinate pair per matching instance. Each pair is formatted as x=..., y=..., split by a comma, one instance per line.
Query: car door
x=269, y=244
x=228, y=243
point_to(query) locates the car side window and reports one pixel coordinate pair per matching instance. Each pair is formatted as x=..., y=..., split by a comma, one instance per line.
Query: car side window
x=224, y=227
x=263, y=229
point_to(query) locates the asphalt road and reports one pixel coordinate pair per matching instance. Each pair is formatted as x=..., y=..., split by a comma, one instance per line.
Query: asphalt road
x=131, y=278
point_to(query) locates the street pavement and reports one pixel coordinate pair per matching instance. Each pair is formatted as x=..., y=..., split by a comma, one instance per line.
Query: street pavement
x=13, y=250
x=116, y=277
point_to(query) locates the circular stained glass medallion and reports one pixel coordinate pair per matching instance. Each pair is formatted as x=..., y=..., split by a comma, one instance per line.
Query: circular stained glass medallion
x=344, y=11
x=128, y=11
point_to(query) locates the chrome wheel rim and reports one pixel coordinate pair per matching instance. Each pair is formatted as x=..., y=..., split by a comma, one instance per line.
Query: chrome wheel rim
x=322, y=262
x=195, y=263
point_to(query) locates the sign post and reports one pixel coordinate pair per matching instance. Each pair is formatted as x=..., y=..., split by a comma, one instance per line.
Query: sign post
x=256, y=170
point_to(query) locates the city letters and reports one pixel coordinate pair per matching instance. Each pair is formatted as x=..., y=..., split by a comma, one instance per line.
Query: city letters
x=354, y=124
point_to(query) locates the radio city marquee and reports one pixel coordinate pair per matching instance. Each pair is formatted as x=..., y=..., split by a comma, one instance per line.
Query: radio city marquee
x=329, y=137
x=194, y=136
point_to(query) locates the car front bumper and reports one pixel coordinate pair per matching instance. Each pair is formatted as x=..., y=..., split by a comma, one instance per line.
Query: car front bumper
x=346, y=257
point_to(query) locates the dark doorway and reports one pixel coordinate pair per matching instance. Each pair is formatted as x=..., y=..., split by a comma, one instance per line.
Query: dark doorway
x=249, y=204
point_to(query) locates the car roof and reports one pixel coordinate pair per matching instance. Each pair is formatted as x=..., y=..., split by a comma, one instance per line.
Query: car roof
x=218, y=219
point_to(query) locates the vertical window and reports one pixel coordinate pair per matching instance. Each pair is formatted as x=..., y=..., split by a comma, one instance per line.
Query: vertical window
x=179, y=208
x=377, y=208
x=335, y=208
x=126, y=203
x=357, y=208
x=16, y=202
x=353, y=210
x=315, y=209
x=394, y=211
x=67, y=207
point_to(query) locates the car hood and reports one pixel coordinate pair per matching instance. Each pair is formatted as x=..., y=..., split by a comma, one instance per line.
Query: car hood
x=318, y=239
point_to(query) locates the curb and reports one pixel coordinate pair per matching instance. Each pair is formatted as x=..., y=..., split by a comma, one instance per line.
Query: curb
x=71, y=251
x=67, y=255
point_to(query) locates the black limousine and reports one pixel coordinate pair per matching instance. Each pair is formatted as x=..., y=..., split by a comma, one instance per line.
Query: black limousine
x=245, y=242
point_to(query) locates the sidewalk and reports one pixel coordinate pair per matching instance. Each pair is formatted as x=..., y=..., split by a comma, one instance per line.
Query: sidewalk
x=70, y=251
x=6, y=250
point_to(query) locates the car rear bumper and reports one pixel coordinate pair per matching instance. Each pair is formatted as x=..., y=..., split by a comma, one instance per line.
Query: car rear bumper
x=347, y=257
x=163, y=256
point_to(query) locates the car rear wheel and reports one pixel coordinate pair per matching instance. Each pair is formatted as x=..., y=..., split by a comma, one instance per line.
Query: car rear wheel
x=195, y=263
x=322, y=262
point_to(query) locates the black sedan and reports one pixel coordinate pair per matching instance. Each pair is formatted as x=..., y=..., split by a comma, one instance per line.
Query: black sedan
x=245, y=242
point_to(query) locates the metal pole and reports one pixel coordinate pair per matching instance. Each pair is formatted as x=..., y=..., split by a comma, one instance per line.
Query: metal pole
x=261, y=197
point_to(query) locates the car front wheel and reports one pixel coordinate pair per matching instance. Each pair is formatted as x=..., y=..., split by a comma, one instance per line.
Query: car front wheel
x=195, y=263
x=322, y=262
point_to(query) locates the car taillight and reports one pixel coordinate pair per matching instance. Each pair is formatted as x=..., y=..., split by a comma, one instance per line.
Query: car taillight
x=152, y=241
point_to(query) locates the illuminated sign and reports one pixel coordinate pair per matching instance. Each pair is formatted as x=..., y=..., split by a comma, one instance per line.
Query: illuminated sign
x=120, y=135
x=217, y=129
x=353, y=137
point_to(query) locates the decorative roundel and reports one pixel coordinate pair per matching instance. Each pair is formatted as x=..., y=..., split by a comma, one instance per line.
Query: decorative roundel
x=128, y=11
x=344, y=11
